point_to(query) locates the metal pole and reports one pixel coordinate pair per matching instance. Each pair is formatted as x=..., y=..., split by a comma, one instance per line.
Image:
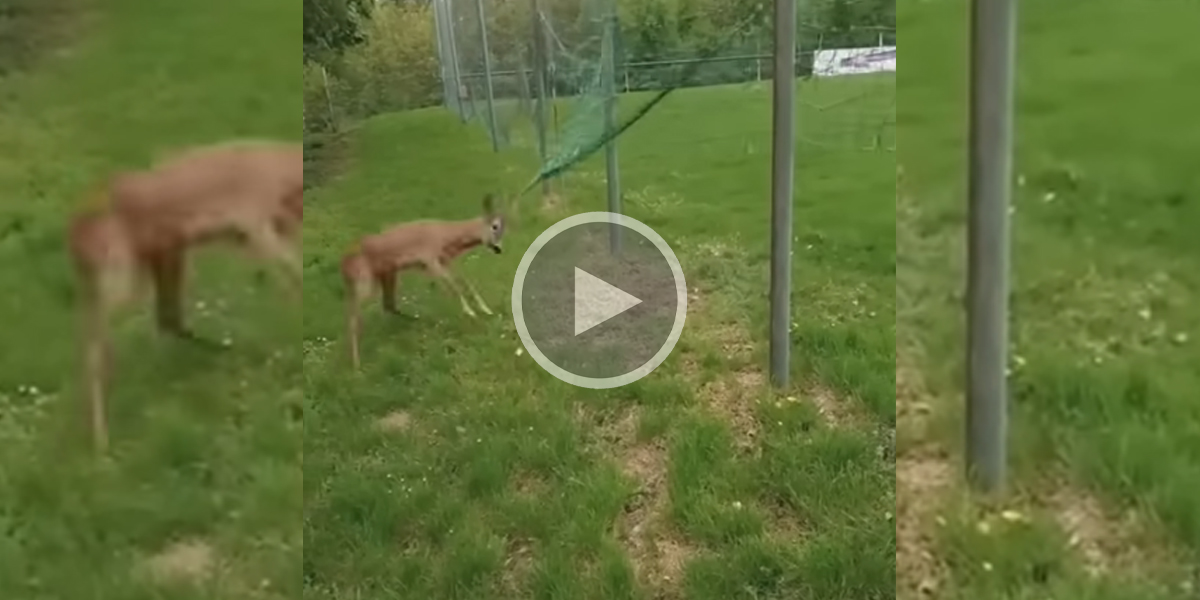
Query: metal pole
x=783, y=167
x=993, y=54
x=449, y=12
x=539, y=70
x=333, y=121
x=442, y=53
x=487, y=76
x=610, y=117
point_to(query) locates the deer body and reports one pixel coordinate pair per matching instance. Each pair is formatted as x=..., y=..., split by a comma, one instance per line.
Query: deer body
x=250, y=193
x=427, y=245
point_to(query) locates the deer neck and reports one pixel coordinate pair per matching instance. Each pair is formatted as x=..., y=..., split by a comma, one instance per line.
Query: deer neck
x=464, y=237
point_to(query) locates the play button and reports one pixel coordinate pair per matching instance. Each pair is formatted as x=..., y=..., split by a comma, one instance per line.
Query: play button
x=597, y=301
x=594, y=318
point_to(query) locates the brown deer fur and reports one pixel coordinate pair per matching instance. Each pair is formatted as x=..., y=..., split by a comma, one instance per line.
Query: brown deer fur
x=250, y=193
x=427, y=245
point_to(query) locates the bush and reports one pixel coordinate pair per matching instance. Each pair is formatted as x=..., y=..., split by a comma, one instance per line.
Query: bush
x=397, y=67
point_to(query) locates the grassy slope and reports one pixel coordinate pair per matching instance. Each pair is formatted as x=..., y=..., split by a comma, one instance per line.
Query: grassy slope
x=1106, y=260
x=205, y=446
x=509, y=482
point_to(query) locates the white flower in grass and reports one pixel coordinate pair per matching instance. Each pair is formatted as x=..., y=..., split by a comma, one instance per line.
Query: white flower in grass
x=1013, y=516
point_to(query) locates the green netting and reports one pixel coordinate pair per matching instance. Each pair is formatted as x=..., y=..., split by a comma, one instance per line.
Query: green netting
x=504, y=58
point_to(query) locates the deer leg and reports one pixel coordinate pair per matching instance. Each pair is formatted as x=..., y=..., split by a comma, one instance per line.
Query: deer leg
x=108, y=287
x=478, y=299
x=275, y=249
x=357, y=276
x=387, y=286
x=439, y=270
x=96, y=357
x=167, y=270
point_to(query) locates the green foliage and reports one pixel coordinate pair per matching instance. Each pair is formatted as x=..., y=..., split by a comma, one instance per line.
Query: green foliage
x=331, y=26
x=394, y=68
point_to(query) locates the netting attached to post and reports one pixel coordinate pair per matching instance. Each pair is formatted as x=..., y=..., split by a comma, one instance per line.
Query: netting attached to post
x=504, y=53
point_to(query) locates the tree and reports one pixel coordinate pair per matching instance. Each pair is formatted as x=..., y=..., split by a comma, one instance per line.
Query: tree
x=331, y=26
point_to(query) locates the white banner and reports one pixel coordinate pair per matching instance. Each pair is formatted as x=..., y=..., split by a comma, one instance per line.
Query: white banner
x=854, y=61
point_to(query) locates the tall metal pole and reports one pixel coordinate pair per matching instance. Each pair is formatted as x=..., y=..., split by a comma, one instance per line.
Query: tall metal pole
x=783, y=172
x=443, y=53
x=448, y=11
x=539, y=71
x=609, y=51
x=487, y=76
x=993, y=54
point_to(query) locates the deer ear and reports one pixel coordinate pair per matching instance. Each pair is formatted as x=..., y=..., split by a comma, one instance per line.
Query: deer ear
x=489, y=205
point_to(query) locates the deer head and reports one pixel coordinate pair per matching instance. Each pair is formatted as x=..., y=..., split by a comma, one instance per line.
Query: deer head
x=493, y=222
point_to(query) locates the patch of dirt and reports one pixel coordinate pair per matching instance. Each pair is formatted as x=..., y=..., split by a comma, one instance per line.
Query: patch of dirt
x=923, y=474
x=734, y=400
x=831, y=408
x=529, y=485
x=913, y=410
x=186, y=561
x=658, y=553
x=518, y=565
x=783, y=524
x=733, y=340
x=394, y=422
x=1104, y=540
x=920, y=477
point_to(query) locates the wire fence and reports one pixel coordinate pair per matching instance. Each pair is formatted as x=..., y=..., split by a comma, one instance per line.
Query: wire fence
x=500, y=94
x=499, y=65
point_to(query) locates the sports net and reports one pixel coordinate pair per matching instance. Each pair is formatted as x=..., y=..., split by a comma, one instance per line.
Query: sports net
x=566, y=76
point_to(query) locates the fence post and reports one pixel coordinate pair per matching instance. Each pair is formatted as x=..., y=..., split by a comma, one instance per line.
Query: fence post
x=448, y=10
x=333, y=120
x=487, y=76
x=758, y=61
x=443, y=53
x=783, y=169
x=608, y=56
x=993, y=31
x=539, y=69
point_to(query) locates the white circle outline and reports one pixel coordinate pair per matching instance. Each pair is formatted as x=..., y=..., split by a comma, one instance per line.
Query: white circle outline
x=600, y=383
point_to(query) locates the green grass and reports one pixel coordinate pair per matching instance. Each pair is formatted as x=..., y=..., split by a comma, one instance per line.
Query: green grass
x=506, y=483
x=206, y=445
x=1105, y=323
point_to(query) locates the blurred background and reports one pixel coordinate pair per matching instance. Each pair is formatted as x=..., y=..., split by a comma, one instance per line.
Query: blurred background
x=201, y=497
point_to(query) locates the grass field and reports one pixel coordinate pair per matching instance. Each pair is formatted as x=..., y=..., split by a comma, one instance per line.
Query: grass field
x=205, y=476
x=1105, y=352
x=454, y=467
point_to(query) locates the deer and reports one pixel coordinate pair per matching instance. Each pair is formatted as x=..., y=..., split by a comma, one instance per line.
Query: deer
x=431, y=246
x=143, y=223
